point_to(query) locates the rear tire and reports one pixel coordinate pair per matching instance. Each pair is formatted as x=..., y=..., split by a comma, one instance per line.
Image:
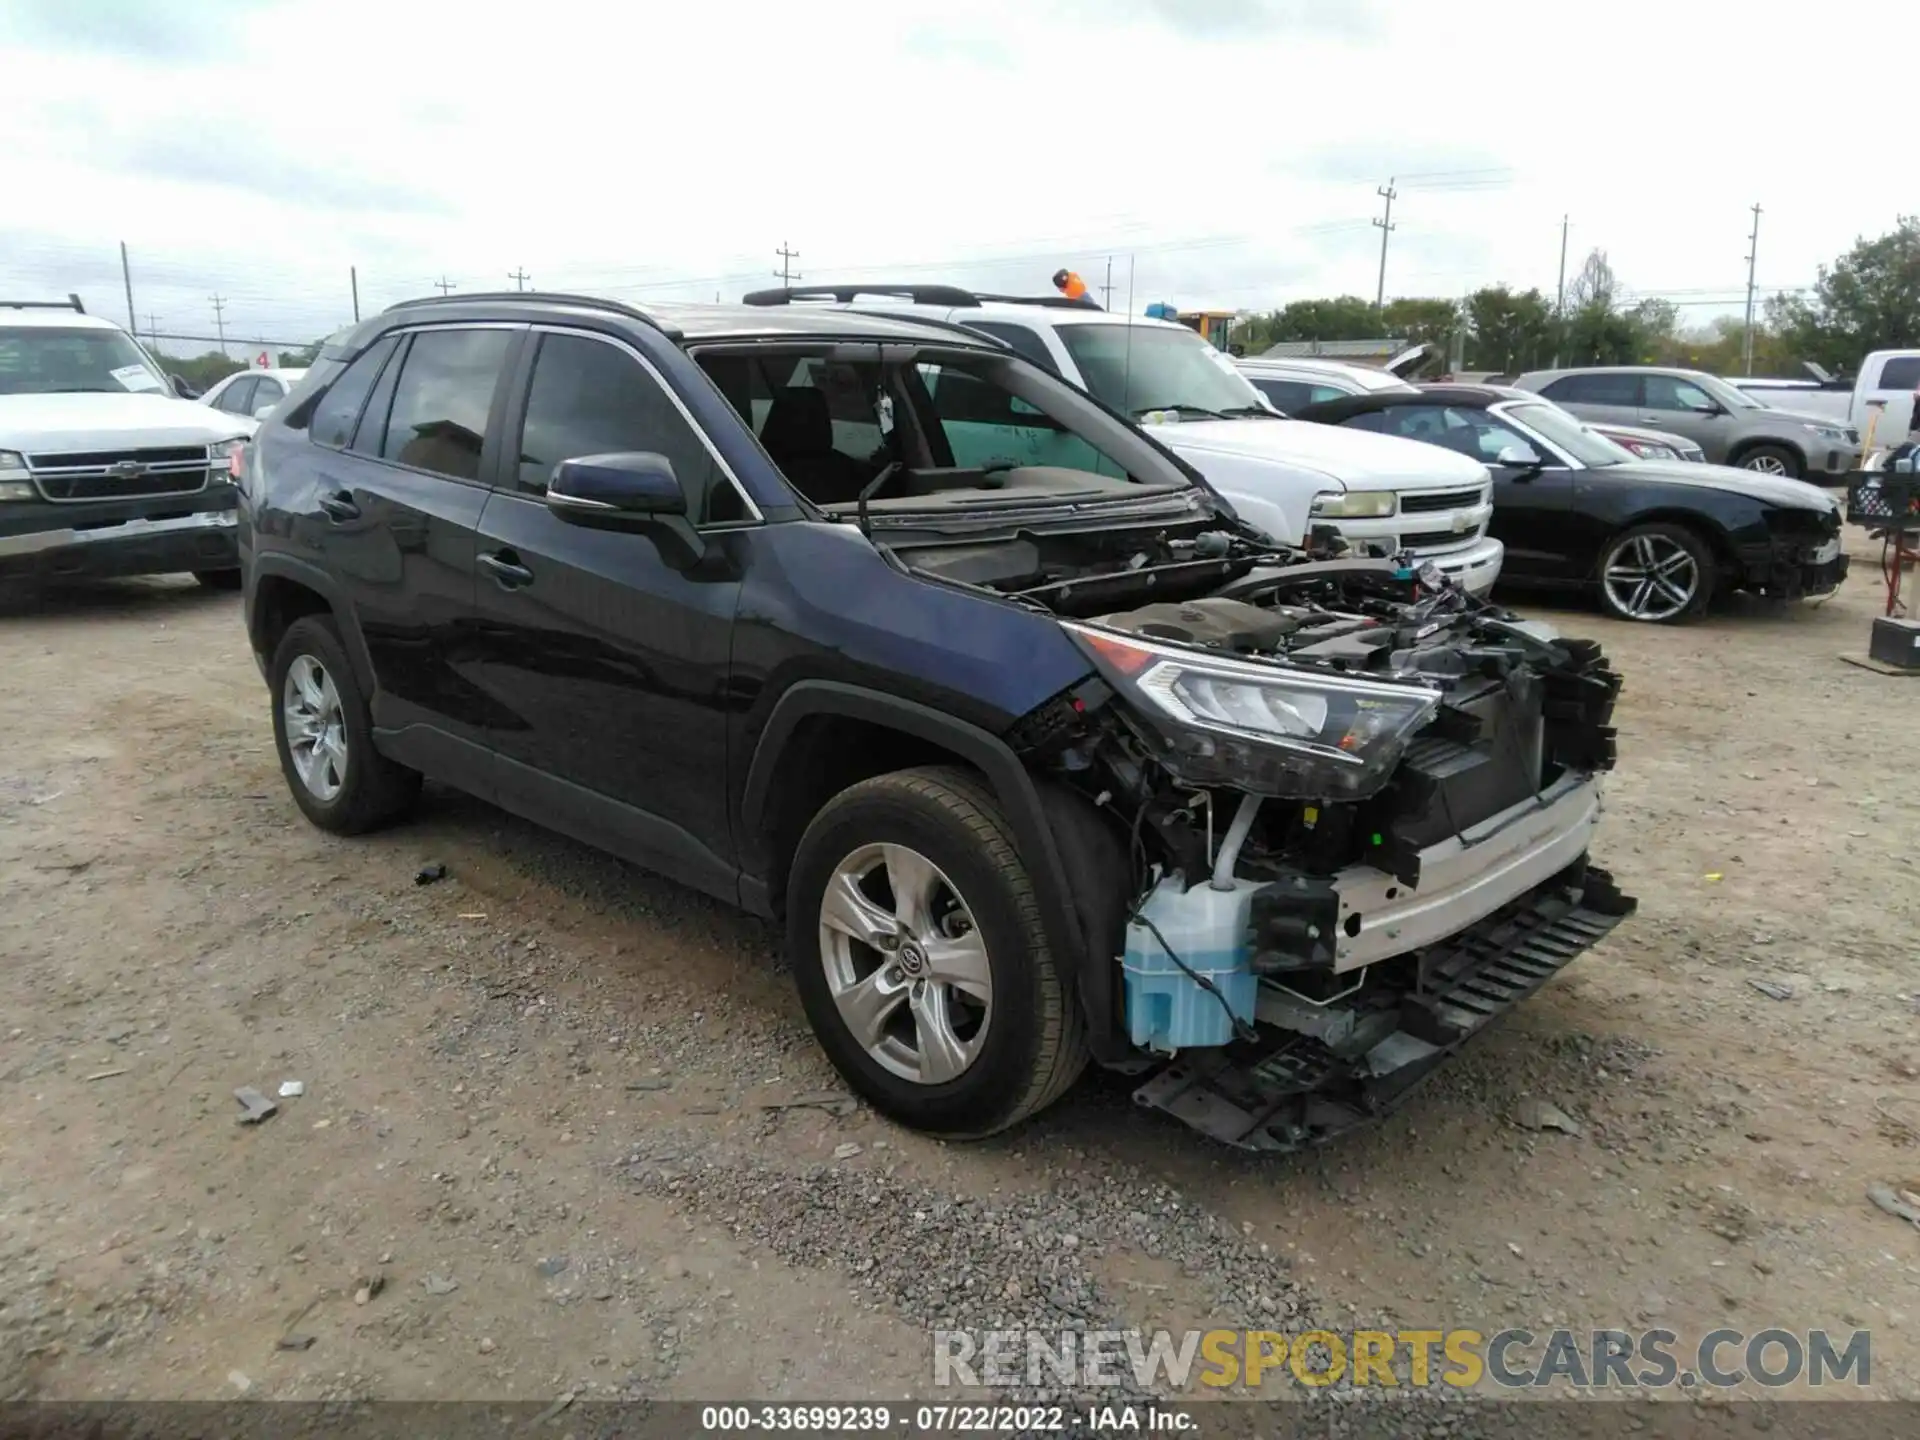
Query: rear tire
x=218, y=579
x=1658, y=574
x=323, y=731
x=1772, y=460
x=961, y=1058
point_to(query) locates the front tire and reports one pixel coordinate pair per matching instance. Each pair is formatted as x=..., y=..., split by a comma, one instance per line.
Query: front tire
x=920, y=959
x=1660, y=574
x=323, y=731
x=1772, y=460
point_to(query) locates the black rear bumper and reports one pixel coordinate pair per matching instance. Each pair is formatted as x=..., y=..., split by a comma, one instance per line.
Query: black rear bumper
x=1288, y=1090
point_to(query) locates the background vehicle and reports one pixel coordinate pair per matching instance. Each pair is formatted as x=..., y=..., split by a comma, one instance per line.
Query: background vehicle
x=1037, y=761
x=1636, y=440
x=1887, y=383
x=1654, y=540
x=1731, y=427
x=103, y=472
x=250, y=395
x=1380, y=496
x=1290, y=384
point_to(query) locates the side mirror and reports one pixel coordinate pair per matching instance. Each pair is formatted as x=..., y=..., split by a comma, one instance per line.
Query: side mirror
x=1519, y=457
x=630, y=490
x=182, y=389
x=1710, y=408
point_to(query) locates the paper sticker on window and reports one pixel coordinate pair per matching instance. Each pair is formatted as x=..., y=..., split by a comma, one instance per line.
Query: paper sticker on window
x=136, y=377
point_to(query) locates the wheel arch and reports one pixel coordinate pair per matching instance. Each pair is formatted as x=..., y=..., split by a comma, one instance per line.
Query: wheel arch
x=1706, y=527
x=823, y=736
x=1743, y=448
x=281, y=590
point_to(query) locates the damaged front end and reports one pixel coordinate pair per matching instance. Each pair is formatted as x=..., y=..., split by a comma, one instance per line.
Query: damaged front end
x=1356, y=805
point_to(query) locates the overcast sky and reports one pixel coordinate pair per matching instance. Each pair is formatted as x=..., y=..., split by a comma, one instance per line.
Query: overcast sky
x=1224, y=153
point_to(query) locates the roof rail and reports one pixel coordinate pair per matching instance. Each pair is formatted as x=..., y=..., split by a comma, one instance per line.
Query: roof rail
x=539, y=297
x=951, y=295
x=72, y=302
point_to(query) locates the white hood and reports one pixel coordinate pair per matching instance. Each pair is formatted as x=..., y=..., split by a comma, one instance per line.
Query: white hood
x=90, y=421
x=1353, y=459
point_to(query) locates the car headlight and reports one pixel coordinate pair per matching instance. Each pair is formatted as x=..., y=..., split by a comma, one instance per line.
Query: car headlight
x=1648, y=450
x=1832, y=434
x=228, y=455
x=15, y=482
x=1354, y=504
x=1260, y=728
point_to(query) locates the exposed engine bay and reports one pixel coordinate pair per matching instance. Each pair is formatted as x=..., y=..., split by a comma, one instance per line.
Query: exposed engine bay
x=1355, y=804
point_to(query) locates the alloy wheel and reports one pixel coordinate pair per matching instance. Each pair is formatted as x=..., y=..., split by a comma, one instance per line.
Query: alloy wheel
x=1651, y=577
x=1764, y=464
x=905, y=963
x=316, y=728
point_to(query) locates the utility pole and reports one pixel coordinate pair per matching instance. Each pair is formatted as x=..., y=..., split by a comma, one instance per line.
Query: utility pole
x=1560, y=295
x=519, y=277
x=153, y=330
x=220, y=320
x=1385, y=224
x=443, y=285
x=353, y=279
x=1106, y=290
x=126, y=274
x=1753, y=252
x=787, y=257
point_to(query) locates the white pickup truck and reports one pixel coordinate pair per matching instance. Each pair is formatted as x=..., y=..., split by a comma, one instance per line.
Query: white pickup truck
x=1380, y=492
x=1880, y=399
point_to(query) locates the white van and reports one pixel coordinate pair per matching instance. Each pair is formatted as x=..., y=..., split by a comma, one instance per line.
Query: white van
x=1284, y=476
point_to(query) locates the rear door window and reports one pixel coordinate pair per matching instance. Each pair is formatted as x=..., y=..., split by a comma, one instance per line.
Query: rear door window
x=442, y=400
x=1669, y=392
x=1026, y=343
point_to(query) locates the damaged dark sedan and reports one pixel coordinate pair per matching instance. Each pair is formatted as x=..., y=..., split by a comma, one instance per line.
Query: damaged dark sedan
x=1037, y=764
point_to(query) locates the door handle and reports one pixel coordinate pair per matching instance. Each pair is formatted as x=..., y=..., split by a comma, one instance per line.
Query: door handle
x=507, y=572
x=340, y=506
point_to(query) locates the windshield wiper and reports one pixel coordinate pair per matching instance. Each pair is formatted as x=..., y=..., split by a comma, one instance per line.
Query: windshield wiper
x=1252, y=412
x=1199, y=410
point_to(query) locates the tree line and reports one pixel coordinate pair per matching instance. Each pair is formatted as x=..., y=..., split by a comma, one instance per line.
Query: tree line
x=1868, y=299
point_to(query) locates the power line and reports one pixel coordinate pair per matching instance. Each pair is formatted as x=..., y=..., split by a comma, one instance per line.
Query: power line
x=787, y=257
x=1388, y=193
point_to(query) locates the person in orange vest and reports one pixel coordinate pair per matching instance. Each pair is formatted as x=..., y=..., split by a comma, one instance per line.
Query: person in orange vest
x=1070, y=284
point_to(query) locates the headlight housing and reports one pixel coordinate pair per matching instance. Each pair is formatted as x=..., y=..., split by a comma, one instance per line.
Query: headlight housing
x=1651, y=449
x=1354, y=504
x=228, y=455
x=15, y=482
x=1832, y=434
x=1264, y=729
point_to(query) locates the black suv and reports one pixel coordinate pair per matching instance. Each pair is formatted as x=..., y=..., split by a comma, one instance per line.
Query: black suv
x=1036, y=761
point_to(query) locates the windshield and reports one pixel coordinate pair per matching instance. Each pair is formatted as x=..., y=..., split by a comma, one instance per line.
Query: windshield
x=1134, y=368
x=1559, y=428
x=45, y=359
x=1731, y=396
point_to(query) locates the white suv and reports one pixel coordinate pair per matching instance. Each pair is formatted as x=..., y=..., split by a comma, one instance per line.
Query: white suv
x=104, y=471
x=1382, y=493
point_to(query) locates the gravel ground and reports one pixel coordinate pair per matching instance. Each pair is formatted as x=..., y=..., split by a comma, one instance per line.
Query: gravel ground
x=547, y=1144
